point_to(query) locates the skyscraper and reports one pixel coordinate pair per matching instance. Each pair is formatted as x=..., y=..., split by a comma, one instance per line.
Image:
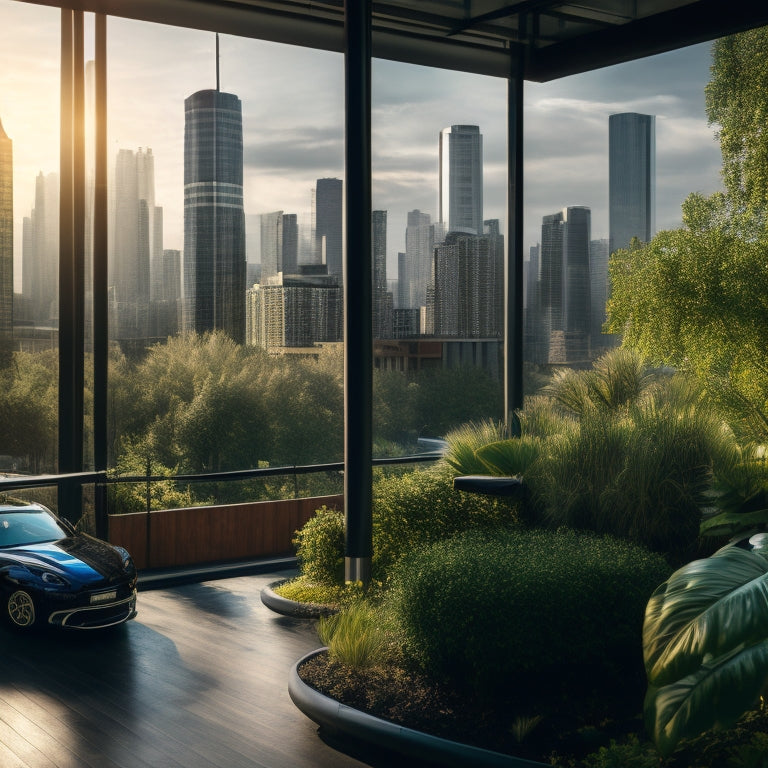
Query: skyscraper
x=564, y=286
x=6, y=235
x=40, y=251
x=461, y=179
x=631, y=178
x=133, y=237
x=328, y=225
x=214, y=219
x=469, y=286
x=382, y=300
x=271, y=244
x=290, y=260
x=418, y=252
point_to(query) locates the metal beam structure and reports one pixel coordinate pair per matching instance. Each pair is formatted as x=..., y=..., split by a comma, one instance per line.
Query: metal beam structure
x=358, y=297
x=71, y=261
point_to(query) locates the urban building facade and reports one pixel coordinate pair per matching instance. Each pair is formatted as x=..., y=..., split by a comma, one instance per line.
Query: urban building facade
x=40, y=253
x=469, y=286
x=382, y=299
x=6, y=236
x=631, y=178
x=328, y=225
x=461, y=179
x=562, y=322
x=214, y=219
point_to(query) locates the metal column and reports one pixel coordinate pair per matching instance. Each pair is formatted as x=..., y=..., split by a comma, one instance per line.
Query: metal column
x=513, y=289
x=71, y=261
x=99, y=277
x=358, y=296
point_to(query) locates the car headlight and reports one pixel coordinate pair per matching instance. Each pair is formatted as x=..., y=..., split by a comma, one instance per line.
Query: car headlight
x=127, y=559
x=53, y=579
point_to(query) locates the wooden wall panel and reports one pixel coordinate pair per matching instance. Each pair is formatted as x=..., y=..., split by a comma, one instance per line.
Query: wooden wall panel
x=196, y=535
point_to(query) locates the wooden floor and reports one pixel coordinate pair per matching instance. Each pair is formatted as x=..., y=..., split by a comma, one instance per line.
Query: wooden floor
x=198, y=679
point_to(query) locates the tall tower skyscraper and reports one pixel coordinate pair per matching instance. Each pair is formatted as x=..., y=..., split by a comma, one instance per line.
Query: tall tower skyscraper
x=271, y=245
x=290, y=260
x=328, y=225
x=382, y=300
x=418, y=250
x=6, y=235
x=214, y=218
x=40, y=251
x=564, y=285
x=133, y=234
x=631, y=178
x=461, y=179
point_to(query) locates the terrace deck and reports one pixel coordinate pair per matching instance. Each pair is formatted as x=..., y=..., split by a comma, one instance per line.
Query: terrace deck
x=197, y=680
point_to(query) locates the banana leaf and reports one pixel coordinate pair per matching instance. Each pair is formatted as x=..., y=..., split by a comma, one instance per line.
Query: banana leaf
x=705, y=645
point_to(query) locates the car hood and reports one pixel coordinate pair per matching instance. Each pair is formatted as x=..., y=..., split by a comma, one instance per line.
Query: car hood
x=80, y=557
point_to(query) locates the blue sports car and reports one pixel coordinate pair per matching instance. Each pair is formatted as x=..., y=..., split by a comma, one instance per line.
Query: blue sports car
x=51, y=574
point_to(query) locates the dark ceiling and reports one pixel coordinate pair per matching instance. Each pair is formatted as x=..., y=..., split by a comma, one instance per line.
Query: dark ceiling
x=546, y=38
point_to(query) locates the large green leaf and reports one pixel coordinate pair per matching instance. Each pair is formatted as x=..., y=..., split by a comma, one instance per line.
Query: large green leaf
x=705, y=644
x=715, y=696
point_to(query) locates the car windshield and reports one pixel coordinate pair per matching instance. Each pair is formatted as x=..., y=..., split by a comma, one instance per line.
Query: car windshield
x=29, y=527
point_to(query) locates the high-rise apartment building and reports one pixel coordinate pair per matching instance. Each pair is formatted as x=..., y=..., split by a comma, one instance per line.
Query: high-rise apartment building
x=6, y=235
x=631, y=178
x=382, y=299
x=214, y=219
x=294, y=311
x=328, y=225
x=469, y=286
x=564, y=312
x=461, y=179
x=598, y=268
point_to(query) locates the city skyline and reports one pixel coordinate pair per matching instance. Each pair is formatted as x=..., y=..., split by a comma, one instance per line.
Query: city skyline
x=291, y=142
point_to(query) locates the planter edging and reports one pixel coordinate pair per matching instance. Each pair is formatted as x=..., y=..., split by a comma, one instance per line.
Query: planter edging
x=338, y=718
x=286, y=607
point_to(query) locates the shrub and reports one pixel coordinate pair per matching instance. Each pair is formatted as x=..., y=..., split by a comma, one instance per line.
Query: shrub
x=422, y=507
x=320, y=547
x=356, y=636
x=526, y=610
x=466, y=439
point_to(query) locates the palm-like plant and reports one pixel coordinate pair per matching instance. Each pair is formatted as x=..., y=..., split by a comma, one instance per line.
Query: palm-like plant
x=705, y=645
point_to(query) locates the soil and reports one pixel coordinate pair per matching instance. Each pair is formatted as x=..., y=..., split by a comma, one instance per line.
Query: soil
x=553, y=732
x=407, y=698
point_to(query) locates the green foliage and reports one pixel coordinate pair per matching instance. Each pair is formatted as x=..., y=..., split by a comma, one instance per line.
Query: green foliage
x=705, y=645
x=464, y=440
x=320, y=547
x=356, y=636
x=494, y=613
x=29, y=410
x=302, y=590
x=132, y=497
x=739, y=494
x=630, y=754
x=697, y=298
x=737, y=101
x=417, y=508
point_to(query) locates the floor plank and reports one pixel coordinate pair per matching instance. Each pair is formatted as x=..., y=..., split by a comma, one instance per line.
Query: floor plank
x=197, y=680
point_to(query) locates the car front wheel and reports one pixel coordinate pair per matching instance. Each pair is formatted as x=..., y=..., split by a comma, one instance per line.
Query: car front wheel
x=20, y=610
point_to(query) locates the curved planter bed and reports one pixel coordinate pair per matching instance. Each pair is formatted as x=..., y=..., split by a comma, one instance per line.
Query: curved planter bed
x=297, y=610
x=339, y=719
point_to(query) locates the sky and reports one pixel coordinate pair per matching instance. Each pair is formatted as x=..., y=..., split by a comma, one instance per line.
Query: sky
x=293, y=114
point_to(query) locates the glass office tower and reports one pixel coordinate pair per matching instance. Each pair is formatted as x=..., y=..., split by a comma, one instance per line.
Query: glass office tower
x=461, y=179
x=214, y=219
x=631, y=178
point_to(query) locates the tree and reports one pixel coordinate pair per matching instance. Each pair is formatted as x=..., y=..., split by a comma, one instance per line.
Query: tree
x=696, y=298
x=737, y=101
